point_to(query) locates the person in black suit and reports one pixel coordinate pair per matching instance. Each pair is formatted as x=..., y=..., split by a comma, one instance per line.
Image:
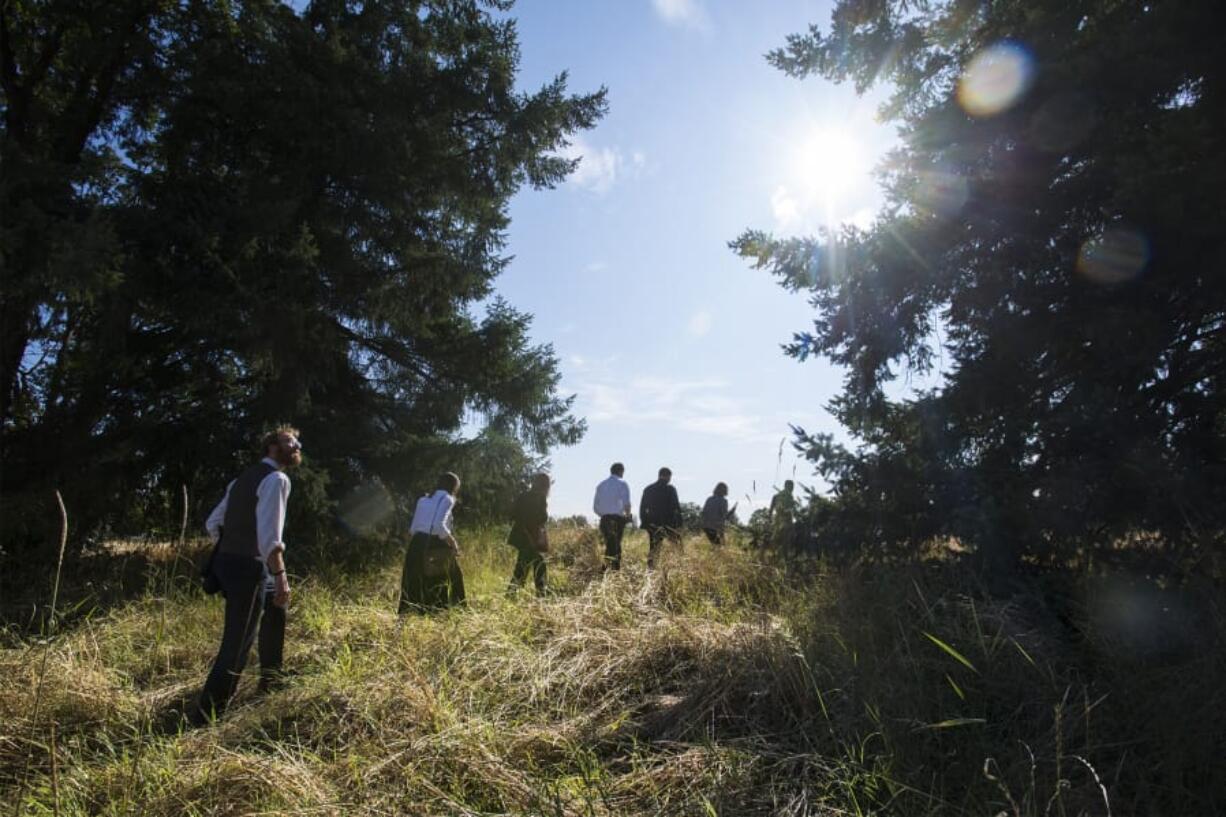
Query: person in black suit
x=660, y=514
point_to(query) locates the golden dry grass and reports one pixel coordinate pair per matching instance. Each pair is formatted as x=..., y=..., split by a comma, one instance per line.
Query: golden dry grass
x=724, y=683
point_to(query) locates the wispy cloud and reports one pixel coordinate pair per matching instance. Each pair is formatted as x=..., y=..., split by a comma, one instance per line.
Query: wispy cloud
x=701, y=406
x=687, y=13
x=600, y=168
x=741, y=426
x=785, y=209
x=797, y=214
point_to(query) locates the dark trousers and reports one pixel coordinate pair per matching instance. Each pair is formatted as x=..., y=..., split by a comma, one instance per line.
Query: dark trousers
x=529, y=559
x=419, y=592
x=249, y=610
x=612, y=526
x=656, y=534
x=714, y=535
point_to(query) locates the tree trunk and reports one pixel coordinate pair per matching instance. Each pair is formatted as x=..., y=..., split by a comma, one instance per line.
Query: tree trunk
x=15, y=325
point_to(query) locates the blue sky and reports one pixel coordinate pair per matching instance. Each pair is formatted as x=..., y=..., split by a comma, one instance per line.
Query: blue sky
x=670, y=342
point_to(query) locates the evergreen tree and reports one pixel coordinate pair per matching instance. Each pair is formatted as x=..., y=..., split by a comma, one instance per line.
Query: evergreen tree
x=1051, y=232
x=218, y=216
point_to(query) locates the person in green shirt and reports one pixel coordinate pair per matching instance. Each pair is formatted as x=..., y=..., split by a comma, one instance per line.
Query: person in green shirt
x=528, y=535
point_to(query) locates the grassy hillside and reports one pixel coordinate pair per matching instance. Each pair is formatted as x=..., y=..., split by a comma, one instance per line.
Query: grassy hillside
x=722, y=684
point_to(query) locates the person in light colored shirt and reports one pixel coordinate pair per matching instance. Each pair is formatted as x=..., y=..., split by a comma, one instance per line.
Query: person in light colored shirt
x=431, y=578
x=248, y=568
x=612, y=506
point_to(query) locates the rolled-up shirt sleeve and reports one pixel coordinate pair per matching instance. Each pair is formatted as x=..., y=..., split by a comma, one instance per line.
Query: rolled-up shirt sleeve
x=218, y=517
x=624, y=491
x=441, y=526
x=271, y=498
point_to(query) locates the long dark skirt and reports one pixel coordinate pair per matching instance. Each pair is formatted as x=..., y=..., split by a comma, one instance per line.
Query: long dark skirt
x=420, y=592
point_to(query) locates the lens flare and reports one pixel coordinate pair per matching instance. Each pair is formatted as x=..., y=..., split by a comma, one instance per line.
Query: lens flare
x=365, y=508
x=941, y=192
x=995, y=79
x=1116, y=256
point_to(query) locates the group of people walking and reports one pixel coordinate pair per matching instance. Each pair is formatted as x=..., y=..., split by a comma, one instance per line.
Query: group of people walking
x=247, y=564
x=659, y=514
x=431, y=577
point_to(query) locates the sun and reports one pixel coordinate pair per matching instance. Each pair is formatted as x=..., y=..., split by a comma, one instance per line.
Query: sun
x=828, y=162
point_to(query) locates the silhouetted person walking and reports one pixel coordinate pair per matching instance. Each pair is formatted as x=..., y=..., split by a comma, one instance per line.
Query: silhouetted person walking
x=660, y=514
x=715, y=514
x=783, y=518
x=528, y=534
x=612, y=505
x=249, y=568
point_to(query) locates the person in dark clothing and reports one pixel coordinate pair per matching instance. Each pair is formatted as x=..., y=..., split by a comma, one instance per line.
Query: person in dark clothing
x=431, y=578
x=716, y=513
x=782, y=518
x=660, y=514
x=528, y=535
x=612, y=506
x=249, y=567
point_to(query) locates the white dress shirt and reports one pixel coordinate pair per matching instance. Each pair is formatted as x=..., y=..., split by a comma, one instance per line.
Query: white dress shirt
x=612, y=497
x=433, y=514
x=271, y=494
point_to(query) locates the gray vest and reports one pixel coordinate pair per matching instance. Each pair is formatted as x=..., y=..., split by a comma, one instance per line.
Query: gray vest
x=239, y=536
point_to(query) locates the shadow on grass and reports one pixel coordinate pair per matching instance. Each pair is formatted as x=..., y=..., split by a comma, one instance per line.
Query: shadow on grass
x=94, y=582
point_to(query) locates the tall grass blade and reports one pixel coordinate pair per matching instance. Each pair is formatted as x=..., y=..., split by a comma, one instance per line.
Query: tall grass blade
x=951, y=723
x=1025, y=654
x=42, y=672
x=957, y=656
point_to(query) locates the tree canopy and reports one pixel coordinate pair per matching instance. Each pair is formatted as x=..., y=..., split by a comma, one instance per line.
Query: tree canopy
x=1051, y=244
x=218, y=216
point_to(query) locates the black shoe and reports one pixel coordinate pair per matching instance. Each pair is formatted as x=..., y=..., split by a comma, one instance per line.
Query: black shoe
x=195, y=717
x=271, y=682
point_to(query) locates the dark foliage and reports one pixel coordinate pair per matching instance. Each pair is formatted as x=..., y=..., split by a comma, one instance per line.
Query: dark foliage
x=1057, y=259
x=219, y=216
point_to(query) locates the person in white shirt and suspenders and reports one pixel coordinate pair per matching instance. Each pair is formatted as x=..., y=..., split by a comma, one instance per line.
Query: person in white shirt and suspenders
x=431, y=578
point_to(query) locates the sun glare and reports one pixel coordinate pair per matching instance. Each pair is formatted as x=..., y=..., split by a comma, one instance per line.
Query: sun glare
x=826, y=179
x=828, y=163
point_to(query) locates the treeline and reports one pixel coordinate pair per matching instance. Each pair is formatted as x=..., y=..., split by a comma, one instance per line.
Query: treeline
x=1051, y=249
x=218, y=216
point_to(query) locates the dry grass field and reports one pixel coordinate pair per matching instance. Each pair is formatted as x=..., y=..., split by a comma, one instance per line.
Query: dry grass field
x=725, y=683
